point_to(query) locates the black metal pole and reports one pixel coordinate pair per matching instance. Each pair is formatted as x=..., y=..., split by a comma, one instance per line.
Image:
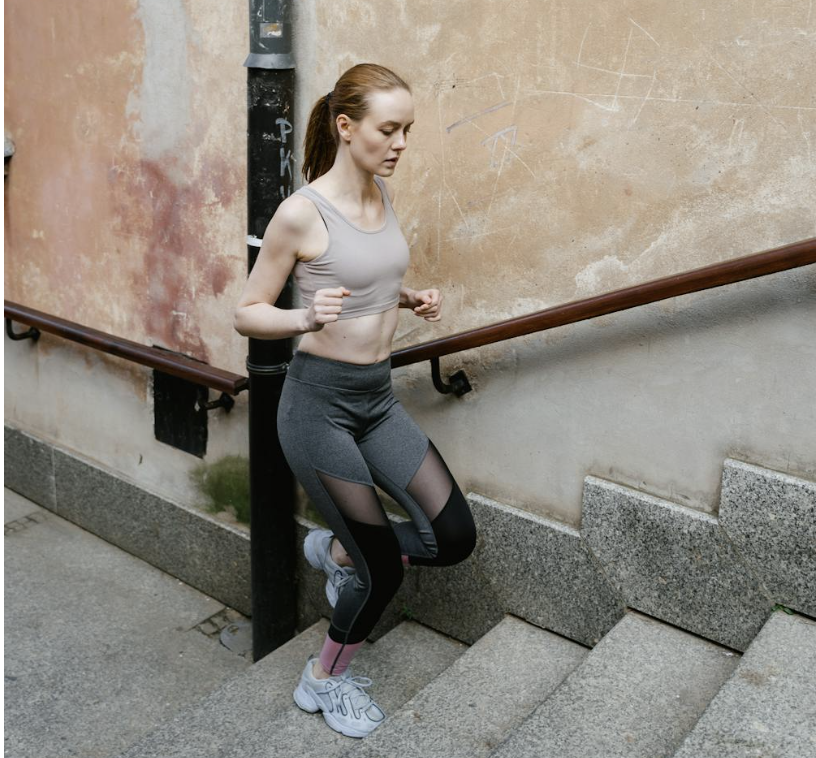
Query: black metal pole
x=270, y=89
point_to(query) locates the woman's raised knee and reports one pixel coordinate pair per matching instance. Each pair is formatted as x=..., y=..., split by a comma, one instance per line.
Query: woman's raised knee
x=455, y=530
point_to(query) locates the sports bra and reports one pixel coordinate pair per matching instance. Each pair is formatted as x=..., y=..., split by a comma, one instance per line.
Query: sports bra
x=370, y=264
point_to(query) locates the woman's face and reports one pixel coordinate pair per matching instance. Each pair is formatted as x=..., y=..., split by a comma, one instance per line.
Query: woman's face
x=383, y=133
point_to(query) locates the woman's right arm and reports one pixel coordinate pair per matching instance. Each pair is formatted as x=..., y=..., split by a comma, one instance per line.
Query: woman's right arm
x=255, y=315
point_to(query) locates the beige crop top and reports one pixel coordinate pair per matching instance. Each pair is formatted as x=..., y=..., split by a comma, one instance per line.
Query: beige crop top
x=369, y=264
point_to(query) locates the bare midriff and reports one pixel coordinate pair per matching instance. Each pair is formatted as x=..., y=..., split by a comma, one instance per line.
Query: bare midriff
x=365, y=339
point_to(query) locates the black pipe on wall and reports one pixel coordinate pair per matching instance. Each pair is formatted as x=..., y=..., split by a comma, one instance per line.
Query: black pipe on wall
x=270, y=179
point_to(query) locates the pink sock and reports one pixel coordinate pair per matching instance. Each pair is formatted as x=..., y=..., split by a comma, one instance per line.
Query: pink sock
x=328, y=655
x=405, y=560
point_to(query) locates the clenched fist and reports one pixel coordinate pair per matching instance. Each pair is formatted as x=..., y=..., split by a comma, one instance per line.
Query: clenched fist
x=326, y=307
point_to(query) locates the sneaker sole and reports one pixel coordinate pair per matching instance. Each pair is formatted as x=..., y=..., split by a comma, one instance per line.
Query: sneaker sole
x=347, y=730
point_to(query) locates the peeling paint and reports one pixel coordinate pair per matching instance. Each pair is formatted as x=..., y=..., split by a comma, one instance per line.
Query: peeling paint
x=600, y=273
x=161, y=106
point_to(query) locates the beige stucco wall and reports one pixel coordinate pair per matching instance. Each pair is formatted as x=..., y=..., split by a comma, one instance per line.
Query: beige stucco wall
x=561, y=150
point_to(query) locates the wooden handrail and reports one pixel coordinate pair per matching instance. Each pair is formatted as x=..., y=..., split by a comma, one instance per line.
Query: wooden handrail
x=717, y=274
x=163, y=360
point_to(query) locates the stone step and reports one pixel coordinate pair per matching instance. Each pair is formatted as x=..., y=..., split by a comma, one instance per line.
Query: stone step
x=254, y=714
x=768, y=706
x=636, y=695
x=485, y=694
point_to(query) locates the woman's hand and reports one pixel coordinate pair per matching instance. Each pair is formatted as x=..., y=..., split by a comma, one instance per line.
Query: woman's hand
x=427, y=303
x=326, y=307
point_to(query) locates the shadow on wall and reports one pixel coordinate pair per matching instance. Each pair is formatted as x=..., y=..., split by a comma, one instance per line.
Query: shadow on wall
x=739, y=304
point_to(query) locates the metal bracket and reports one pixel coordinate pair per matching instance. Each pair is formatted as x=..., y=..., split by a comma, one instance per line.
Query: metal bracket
x=33, y=333
x=459, y=383
x=260, y=369
x=225, y=401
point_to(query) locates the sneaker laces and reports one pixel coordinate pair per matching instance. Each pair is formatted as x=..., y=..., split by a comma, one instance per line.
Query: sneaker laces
x=351, y=685
x=328, y=560
x=345, y=577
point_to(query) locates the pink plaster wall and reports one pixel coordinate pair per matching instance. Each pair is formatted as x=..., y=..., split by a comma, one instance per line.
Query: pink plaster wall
x=125, y=200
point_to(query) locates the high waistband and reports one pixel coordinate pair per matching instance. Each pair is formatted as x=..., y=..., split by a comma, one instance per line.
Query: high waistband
x=329, y=372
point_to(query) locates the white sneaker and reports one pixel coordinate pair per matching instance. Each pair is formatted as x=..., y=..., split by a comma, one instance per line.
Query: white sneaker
x=346, y=708
x=317, y=549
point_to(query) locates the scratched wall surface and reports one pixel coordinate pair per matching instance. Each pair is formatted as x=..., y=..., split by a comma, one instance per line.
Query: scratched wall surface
x=575, y=147
x=565, y=149
x=560, y=150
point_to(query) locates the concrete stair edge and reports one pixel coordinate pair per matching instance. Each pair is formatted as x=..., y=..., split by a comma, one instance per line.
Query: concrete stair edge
x=254, y=712
x=486, y=693
x=768, y=704
x=642, y=671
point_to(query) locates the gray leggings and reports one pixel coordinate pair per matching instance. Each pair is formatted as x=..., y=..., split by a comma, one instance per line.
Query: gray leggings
x=342, y=431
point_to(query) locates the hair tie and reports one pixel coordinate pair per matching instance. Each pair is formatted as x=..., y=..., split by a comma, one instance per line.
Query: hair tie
x=328, y=97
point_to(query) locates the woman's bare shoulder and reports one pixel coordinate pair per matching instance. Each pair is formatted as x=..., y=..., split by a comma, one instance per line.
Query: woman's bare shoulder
x=297, y=213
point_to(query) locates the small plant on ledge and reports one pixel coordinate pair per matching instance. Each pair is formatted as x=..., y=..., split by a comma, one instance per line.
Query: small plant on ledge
x=225, y=484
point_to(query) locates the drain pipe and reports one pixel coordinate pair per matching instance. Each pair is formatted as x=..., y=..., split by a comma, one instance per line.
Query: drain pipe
x=270, y=180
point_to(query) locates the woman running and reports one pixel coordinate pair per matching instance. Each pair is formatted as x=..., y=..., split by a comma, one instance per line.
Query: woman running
x=340, y=427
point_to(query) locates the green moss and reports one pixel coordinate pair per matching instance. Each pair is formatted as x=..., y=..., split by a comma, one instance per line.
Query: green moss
x=313, y=514
x=225, y=484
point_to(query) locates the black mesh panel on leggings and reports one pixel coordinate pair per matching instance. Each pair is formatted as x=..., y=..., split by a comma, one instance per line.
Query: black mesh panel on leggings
x=354, y=500
x=439, y=496
x=432, y=484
